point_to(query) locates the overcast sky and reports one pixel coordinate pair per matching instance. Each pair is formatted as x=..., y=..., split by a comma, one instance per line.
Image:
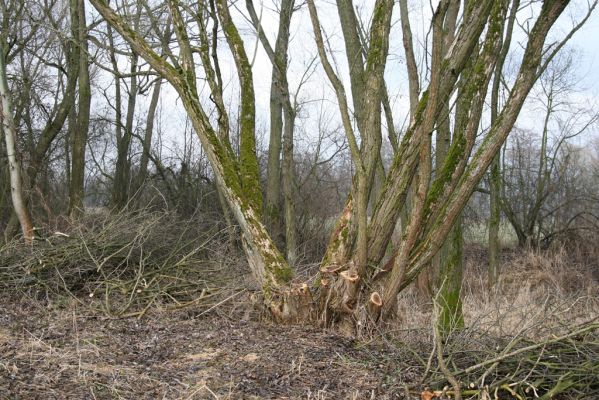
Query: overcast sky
x=584, y=45
x=316, y=95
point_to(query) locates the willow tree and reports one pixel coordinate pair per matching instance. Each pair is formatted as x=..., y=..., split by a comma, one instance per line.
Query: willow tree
x=356, y=283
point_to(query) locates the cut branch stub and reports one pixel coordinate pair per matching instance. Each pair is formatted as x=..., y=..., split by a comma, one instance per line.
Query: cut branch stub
x=374, y=306
x=350, y=282
x=333, y=269
x=369, y=314
x=350, y=277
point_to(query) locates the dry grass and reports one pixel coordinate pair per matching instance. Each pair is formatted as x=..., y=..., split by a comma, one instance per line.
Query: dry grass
x=541, y=296
x=539, y=292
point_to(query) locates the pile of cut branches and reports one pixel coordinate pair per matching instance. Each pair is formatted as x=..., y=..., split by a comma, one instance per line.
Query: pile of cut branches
x=487, y=367
x=129, y=260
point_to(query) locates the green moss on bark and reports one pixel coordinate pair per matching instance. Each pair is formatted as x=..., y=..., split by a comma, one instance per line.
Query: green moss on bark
x=449, y=299
x=249, y=168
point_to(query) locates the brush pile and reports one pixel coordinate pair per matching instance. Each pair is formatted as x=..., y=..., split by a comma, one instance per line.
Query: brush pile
x=488, y=367
x=130, y=261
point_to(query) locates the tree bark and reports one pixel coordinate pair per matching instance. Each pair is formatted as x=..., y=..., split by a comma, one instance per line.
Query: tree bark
x=248, y=161
x=149, y=131
x=10, y=136
x=451, y=270
x=495, y=171
x=289, y=192
x=281, y=135
x=412, y=68
x=79, y=139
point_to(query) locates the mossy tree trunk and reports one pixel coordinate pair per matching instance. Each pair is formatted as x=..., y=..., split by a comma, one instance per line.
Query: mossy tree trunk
x=427, y=282
x=451, y=271
x=495, y=170
x=211, y=67
x=237, y=178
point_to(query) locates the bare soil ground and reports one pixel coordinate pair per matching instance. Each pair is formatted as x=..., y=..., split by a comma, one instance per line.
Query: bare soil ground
x=67, y=353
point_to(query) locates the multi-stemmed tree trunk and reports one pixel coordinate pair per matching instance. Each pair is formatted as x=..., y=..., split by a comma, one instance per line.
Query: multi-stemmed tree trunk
x=348, y=252
x=353, y=286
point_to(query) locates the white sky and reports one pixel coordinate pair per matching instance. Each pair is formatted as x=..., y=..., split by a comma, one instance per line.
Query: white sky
x=585, y=44
x=316, y=95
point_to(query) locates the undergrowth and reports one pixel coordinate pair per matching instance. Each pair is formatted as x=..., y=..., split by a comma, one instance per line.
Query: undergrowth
x=532, y=336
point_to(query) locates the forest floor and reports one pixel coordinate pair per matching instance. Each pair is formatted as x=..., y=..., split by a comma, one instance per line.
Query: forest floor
x=67, y=350
x=68, y=353
x=193, y=330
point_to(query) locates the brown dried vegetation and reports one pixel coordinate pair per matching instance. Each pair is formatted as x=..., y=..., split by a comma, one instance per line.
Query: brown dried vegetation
x=184, y=324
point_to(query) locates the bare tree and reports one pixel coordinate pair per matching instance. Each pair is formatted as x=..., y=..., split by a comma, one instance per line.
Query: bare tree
x=32, y=70
x=138, y=82
x=10, y=136
x=535, y=171
x=35, y=51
